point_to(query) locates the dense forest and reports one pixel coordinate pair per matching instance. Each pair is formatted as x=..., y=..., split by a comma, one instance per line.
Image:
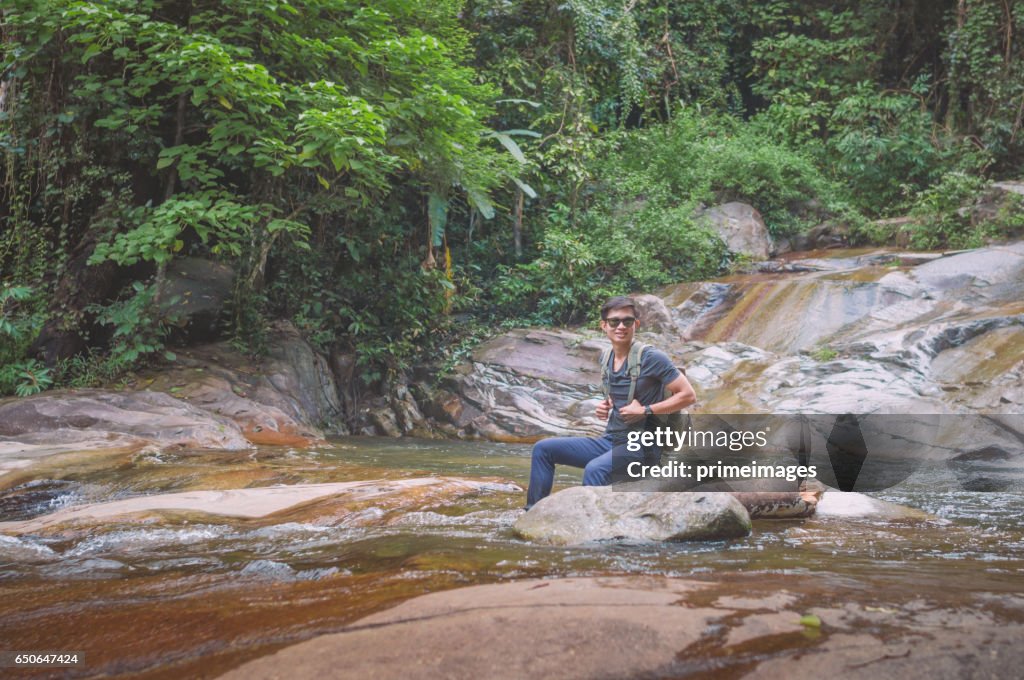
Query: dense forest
x=397, y=177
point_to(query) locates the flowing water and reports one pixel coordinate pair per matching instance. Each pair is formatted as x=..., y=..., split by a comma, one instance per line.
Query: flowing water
x=191, y=594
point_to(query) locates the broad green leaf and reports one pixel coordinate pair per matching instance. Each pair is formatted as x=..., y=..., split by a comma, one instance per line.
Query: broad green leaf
x=479, y=200
x=523, y=133
x=511, y=145
x=437, y=212
x=525, y=188
x=91, y=51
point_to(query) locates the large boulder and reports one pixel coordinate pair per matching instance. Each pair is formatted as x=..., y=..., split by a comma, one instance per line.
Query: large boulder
x=742, y=229
x=654, y=314
x=288, y=397
x=584, y=514
x=302, y=376
x=211, y=397
x=58, y=422
x=194, y=292
x=262, y=414
x=522, y=385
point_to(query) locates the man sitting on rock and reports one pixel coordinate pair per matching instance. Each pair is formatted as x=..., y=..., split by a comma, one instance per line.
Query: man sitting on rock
x=607, y=455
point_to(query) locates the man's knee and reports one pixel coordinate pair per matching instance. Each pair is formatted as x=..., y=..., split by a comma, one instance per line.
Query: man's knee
x=597, y=473
x=542, y=450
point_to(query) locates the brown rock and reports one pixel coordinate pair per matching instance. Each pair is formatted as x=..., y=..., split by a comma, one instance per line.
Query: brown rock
x=146, y=416
x=571, y=628
x=742, y=229
x=654, y=315
x=627, y=627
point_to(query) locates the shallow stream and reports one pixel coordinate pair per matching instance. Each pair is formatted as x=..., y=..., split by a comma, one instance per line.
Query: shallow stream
x=192, y=595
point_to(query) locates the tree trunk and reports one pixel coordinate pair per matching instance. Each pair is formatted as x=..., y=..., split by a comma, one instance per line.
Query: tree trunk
x=517, y=224
x=172, y=181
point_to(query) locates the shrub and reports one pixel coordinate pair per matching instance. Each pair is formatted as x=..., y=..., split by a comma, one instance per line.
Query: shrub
x=947, y=216
x=19, y=325
x=638, y=226
x=944, y=213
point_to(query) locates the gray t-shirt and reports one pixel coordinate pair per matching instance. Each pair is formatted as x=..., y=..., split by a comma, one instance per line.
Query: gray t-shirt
x=656, y=371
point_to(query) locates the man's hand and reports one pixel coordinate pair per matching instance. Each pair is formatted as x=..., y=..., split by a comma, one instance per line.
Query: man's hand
x=633, y=412
x=603, y=409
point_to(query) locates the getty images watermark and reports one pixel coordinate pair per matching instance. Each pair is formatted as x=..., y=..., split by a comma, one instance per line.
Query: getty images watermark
x=849, y=452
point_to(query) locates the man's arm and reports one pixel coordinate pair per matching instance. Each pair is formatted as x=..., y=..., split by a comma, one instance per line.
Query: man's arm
x=682, y=396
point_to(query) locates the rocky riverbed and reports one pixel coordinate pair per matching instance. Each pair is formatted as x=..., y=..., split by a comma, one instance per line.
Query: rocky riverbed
x=210, y=514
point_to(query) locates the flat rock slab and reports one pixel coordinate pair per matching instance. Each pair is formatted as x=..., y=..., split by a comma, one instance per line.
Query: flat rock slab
x=18, y=453
x=654, y=627
x=83, y=420
x=572, y=628
x=584, y=514
x=246, y=503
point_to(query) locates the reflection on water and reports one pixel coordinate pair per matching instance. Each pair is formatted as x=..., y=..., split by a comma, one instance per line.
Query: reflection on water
x=196, y=594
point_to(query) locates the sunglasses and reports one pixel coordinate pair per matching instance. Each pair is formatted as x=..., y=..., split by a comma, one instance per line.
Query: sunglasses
x=614, y=321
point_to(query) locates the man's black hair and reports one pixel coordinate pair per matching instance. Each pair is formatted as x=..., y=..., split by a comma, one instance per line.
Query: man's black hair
x=618, y=302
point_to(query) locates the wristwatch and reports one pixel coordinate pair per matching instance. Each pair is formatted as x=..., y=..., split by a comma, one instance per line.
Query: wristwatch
x=648, y=411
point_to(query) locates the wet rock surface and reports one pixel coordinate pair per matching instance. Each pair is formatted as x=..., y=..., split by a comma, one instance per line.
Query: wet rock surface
x=848, y=333
x=768, y=626
x=585, y=514
x=210, y=397
x=521, y=384
x=324, y=504
x=84, y=419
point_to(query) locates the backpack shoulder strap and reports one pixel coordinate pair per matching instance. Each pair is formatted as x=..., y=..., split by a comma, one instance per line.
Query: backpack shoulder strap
x=605, y=378
x=636, y=352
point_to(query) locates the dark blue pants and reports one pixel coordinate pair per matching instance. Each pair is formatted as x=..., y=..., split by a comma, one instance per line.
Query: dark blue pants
x=600, y=459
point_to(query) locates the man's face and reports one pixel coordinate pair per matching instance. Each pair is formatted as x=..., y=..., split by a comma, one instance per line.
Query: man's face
x=620, y=325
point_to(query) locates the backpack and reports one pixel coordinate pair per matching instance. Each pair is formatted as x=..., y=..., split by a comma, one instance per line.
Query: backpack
x=678, y=421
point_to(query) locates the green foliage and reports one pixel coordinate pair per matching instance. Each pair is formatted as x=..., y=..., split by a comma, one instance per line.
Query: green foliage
x=11, y=326
x=815, y=48
x=883, y=142
x=824, y=353
x=214, y=217
x=240, y=130
x=91, y=369
x=985, y=60
x=858, y=85
x=944, y=212
x=715, y=159
x=363, y=166
x=19, y=324
x=642, y=226
x=138, y=328
x=24, y=378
